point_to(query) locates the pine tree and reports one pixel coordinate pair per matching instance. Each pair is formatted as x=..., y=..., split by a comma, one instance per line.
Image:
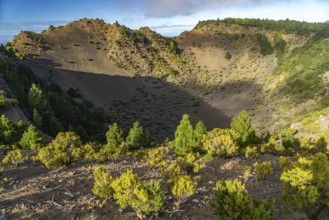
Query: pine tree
x=114, y=137
x=37, y=100
x=43, y=114
x=199, y=135
x=136, y=138
x=184, y=138
x=37, y=118
x=242, y=125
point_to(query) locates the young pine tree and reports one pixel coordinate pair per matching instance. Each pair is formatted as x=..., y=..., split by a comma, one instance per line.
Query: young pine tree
x=242, y=125
x=137, y=138
x=114, y=137
x=102, y=183
x=199, y=135
x=184, y=138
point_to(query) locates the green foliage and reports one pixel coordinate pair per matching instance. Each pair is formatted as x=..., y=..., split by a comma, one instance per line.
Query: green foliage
x=232, y=201
x=265, y=46
x=149, y=197
x=87, y=152
x=285, y=26
x=8, y=133
x=199, y=133
x=263, y=170
x=122, y=30
x=58, y=152
x=280, y=144
x=302, y=70
x=102, y=183
x=4, y=102
x=184, y=138
x=312, y=145
x=114, y=137
x=32, y=139
x=228, y=55
x=137, y=138
x=138, y=37
x=56, y=110
x=156, y=156
x=251, y=151
x=144, y=197
x=43, y=113
x=279, y=45
x=242, y=125
x=305, y=184
x=222, y=142
x=183, y=187
x=191, y=162
x=173, y=47
x=19, y=79
x=15, y=157
x=123, y=187
x=262, y=209
x=37, y=118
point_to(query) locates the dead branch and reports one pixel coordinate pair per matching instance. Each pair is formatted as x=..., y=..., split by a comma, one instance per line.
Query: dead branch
x=69, y=192
x=55, y=203
x=213, y=169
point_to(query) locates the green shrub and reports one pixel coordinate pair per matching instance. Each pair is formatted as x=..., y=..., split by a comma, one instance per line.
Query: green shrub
x=262, y=209
x=143, y=197
x=265, y=46
x=232, y=201
x=222, y=142
x=87, y=152
x=32, y=139
x=191, y=162
x=183, y=187
x=251, y=151
x=15, y=157
x=228, y=55
x=59, y=151
x=102, y=183
x=156, y=156
x=305, y=185
x=310, y=145
x=8, y=132
x=263, y=170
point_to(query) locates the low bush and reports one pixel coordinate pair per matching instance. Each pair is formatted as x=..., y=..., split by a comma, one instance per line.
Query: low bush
x=232, y=201
x=263, y=170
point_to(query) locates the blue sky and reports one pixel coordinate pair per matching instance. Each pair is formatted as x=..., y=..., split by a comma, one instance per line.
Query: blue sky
x=168, y=17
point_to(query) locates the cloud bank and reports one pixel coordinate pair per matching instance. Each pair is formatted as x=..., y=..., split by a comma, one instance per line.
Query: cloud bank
x=170, y=8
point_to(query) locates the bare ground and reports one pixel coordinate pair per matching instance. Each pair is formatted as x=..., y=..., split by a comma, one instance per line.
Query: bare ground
x=33, y=192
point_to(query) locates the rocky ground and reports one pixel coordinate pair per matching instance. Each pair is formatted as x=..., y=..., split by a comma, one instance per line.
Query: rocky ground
x=33, y=192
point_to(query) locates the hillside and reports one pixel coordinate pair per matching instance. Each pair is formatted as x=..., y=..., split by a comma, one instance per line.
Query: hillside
x=115, y=123
x=220, y=67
